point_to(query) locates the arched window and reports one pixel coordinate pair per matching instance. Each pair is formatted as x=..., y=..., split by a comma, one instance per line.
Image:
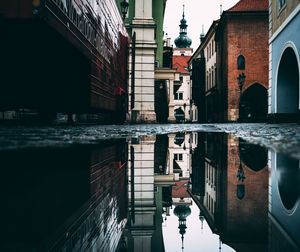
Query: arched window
x=241, y=62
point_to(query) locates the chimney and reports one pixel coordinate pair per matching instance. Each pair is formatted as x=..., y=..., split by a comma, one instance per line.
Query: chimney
x=168, y=42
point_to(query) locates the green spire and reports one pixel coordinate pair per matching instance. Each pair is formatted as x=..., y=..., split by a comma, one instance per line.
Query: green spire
x=183, y=41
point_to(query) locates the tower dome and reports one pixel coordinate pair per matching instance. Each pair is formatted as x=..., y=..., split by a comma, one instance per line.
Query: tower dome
x=182, y=212
x=183, y=41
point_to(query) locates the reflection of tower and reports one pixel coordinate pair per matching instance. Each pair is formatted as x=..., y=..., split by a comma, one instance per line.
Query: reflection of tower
x=201, y=218
x=182, y=212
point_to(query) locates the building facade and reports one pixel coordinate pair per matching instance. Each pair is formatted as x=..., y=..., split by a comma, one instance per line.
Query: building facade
x=145, y=19
x=242, y=61
x=284, y=65
x=204, y=62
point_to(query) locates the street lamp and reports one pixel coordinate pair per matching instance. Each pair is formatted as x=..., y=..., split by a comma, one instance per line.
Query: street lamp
x=124, y=8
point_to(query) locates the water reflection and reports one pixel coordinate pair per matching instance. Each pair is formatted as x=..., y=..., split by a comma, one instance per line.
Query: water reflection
x=284, y=212
x=176, y=192
x=233, y=196
x=64, y=199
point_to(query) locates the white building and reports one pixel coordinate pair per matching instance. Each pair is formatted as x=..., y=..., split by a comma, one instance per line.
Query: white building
x=182, y=107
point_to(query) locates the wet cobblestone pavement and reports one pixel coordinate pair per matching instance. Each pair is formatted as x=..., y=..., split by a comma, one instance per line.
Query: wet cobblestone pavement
x=279, y=137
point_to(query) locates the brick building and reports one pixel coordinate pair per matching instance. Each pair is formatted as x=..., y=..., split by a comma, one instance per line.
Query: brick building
x=242, y=61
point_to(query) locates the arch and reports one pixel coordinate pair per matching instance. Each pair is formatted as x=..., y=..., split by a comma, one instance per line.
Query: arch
x=241, y=62
x=253, y=156
x=254, y=104
x=287, y=81
x=288, y=181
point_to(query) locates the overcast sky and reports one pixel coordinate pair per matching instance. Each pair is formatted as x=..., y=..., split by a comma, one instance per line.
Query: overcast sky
x=197, y=13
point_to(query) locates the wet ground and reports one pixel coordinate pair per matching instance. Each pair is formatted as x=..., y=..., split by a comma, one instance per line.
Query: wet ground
x=184, y=187
x=279, y=137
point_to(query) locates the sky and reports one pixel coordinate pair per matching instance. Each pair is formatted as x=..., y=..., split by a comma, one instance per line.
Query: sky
x=197, y=13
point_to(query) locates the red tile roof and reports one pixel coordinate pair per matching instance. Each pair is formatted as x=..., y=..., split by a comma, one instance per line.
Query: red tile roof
x=180, y=189
x=180, y=63
x=250, y=5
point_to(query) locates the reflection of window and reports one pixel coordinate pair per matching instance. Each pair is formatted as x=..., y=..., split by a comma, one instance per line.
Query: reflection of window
x=241, y=62
x=281, y=3
x=178, y=96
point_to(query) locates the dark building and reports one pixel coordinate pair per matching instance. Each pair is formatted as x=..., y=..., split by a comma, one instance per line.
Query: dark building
x=204, y=77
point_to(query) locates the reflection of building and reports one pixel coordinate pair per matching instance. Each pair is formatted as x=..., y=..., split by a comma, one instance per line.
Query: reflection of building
x=142, y=208
x=234, y=201
x=284, y=68
x=242, y=52
x=284, y=200
x=75, y=201
x=182, y=212
x=244, y=207
x=180, y=150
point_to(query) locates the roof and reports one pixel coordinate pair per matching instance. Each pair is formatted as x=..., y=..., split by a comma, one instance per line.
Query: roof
x=250, y=5
x=209, y=33
x=243, y=7
x=180, y=189
x=180, y=63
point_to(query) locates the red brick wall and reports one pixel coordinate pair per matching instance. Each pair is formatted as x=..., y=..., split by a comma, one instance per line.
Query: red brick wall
x=247, y=36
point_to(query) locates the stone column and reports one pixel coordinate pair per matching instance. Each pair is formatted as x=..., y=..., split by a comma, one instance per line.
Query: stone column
x=144, y=26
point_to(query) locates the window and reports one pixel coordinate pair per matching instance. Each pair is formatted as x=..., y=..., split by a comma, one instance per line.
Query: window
x=216, y=77
x=178, y=96
x=207, y=53
x=178, y=156
x=206, y=81
x=181, y=79
x=241, y=62
x=281, y=3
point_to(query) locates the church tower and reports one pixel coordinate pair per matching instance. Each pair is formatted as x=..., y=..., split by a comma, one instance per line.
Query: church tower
x=183, y=41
